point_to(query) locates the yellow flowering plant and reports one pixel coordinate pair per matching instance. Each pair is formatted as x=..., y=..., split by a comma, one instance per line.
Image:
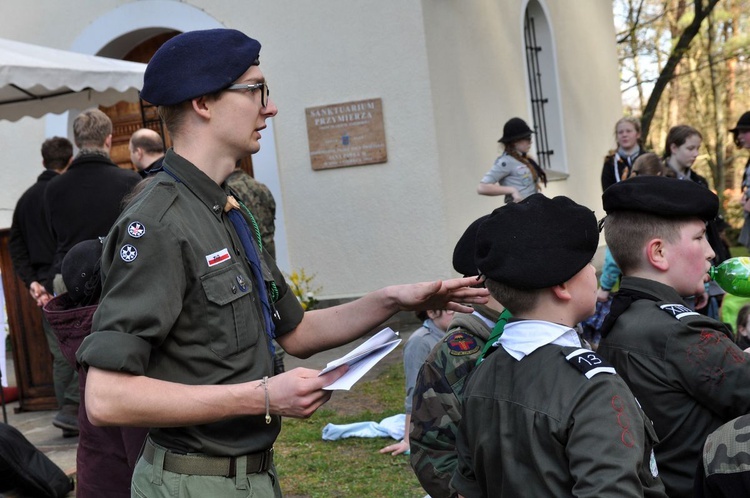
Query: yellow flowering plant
x=302, y=285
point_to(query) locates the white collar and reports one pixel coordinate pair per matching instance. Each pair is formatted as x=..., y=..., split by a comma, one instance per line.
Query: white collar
x=523, y=337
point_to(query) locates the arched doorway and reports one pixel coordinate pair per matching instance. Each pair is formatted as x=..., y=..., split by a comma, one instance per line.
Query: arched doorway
x=120, y=30
x=127, y=117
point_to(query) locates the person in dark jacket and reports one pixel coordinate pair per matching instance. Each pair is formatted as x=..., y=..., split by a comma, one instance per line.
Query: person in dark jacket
x=543, y=415
x=684, y=368
x=146, y=151
x=32, y=247
x=31, y=244
x=82, y=204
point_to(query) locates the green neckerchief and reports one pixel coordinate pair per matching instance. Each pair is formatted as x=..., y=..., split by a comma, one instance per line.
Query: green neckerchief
x=502, y=320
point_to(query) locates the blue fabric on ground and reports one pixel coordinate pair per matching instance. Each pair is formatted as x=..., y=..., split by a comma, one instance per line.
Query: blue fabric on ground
x=388, y=427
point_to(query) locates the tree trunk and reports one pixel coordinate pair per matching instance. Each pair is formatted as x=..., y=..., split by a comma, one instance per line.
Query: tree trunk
x=682, y=45
x=719, y=122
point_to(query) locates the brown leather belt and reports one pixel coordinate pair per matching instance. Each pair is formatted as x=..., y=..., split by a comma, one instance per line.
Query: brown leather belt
x=204, y=465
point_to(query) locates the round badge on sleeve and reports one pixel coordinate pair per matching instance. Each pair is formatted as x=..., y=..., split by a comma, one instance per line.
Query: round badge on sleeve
x=136, y=230
x=128, y=253
x=460, y=344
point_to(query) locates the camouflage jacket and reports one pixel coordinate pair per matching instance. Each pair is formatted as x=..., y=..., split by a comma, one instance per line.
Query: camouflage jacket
x=436, y=408
x=724, y=471
x=259, y=200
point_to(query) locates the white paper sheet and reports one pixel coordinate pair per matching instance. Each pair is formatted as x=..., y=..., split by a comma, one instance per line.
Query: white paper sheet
x=362, y=358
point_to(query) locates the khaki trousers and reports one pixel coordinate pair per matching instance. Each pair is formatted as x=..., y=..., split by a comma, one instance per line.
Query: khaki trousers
x=152, y=481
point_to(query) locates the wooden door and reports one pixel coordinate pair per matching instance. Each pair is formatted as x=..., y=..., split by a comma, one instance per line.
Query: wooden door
x=31, y=357
x=127, y=117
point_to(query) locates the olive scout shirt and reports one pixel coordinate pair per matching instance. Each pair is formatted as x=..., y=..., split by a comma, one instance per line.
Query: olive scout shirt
x=178, y=304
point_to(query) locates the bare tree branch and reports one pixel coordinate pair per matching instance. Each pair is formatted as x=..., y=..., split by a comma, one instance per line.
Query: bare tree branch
x=667, y=73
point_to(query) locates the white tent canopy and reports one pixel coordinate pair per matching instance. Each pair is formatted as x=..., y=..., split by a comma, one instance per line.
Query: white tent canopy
x=37, y=80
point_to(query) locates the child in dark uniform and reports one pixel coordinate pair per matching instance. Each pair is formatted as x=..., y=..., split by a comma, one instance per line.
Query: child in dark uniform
x=542, y=415
x=687, y=373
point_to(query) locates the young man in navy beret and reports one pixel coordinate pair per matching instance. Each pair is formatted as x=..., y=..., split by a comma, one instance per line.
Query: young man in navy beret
x=542, y=415
x=687, y=373
x=191, y=358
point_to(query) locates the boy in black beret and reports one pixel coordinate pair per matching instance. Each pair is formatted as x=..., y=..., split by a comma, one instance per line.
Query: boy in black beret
x=182, y=339
x=688, y=375
x=543, y=416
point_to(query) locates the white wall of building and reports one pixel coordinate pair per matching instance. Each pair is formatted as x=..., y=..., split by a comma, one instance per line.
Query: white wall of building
x=449, y=74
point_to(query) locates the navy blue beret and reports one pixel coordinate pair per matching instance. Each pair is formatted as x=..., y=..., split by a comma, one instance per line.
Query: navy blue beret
x=662, y=196
x=463, y=253
x=536, y=243
x=197, y=63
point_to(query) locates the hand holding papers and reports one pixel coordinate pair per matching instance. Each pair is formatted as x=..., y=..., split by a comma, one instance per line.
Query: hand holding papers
x=363, y=358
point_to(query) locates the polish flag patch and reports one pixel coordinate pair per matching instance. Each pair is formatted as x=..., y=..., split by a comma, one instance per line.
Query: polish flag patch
x=218, y=257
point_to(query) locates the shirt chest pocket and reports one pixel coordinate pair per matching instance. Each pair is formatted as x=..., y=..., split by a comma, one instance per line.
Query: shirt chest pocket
x=522, y=171
x=230, y=311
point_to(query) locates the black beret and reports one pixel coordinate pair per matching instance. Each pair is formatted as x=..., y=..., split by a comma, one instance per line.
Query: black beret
x=197, y=63
x=743, y=123
x=662, y=196
x=463, y=253
x=536, y=243
x=80, y=272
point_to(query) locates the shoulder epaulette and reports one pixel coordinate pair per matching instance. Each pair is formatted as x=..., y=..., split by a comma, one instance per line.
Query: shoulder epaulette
x=588, y=362
x=678, y=311
x=157, y=205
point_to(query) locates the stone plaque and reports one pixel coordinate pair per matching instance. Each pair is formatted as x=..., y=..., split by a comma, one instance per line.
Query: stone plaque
x=348, y=134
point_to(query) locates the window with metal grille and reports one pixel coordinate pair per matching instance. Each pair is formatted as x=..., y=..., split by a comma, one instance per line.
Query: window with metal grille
x=150, y=119
x=538, y=99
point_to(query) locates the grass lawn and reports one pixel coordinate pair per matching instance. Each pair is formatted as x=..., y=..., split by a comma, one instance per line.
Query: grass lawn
x=311, y=467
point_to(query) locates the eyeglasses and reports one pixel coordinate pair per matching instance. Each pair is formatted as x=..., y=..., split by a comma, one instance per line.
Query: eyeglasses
x=265, y=92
